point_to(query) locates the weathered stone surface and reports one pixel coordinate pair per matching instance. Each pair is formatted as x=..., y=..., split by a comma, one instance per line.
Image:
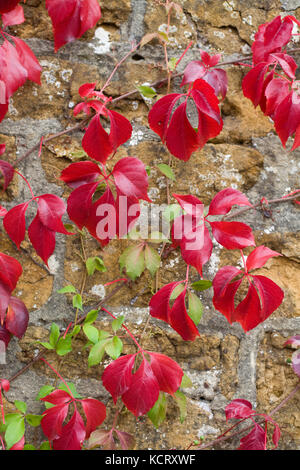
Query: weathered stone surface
x=275, y=380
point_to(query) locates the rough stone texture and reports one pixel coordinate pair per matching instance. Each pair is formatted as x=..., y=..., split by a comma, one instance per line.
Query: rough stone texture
x=224, y=363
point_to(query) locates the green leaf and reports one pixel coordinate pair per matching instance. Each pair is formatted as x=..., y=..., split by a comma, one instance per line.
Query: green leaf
x=29, y=447
x=91, y=317
x=157, y=413
x=64, y=346
x=44, y=391
x=166, y=170
x=103, y=334
x=186, y=382
x=181, y=402
x=117, y=323
x=54, y=334
x=201, y=285
x=97, y=352
x=147, y=91
x=77, y=301
x=164, y=36
x=66, y=289
x=45, y=344
x=14, y=431
x=152, y=260
x=72, y=387
x=177, y=291
x=69, y=228
x=148, y=170
x=171, y=212
x=91, y=333
x=133, y=260
x=45, y=446
x=195, y=310
x=114, y=347
x=75, y=330
x=95, y=264
x=34, y=420
x=21, y=406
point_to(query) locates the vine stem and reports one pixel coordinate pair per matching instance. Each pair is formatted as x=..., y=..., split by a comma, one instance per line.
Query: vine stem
x=2, y=407
x=270, y=201
x=125, y=328
x=58, y=375
x=224, y=438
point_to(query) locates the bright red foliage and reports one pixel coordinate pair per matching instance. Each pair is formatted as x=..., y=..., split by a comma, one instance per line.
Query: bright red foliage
x=139, y=390
x=263, y=296
x=70, y=436
x=72, y=18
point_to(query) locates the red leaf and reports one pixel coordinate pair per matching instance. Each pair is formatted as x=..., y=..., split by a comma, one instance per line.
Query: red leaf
x=117, y=376
x=180, y=320
x=271, y=295
x=10, y=271
x=253, y=83
x=80, y=203
x=217, y=78
x=2, y=146
x=28, y=60
x=15, y=224
x=232, y=235
x=17, y=317
x=101, y=220
x=143, y=391
x=120, y=129
x=248, y=312
x=131, y=178
x=15, y=16
x=95, y=413
x=7, y=171
x=8, y=5
x=271, y=37
x=194, y=70
x=5, y=335
x=294, y=341
x=255, y=440
x=160, y=302
x=80, y=173
x=72, y=434
x=53, y=419
x=275, y=92
x=126, y=440
x=57, y=397
x=225, y=290
x=287, y=116
x=190, y=204
x=3, y=211
x=196, y=247
x=287, y=63
x=50, y=210
x=181, y=137
x=259, y=256
x=72, y=18
x=86, y=89
x=160, y=113
x=3, y=110
x=5, y=295
x=42, y=238
x=127, y=212
x=96, y=142
x=12, y=72
x=224, y=200
x=167, y=372
x=238, y=409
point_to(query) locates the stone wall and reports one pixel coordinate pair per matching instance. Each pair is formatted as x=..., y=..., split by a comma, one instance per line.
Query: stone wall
x=224, y=363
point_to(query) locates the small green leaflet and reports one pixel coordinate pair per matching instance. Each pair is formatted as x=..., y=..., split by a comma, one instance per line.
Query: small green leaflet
x=21, y=406
x=15, y=429
x=203, y=284
x=195, y=310
x=117, y=323
x=67, y=289
x=91, y=333
x=166, y=170
x=114, y=347
x=147, y=91
x=181, y=402
x=95, y=264
x=64, y=346
x=186, y=382
x=157, y=413
x=77, y=301
x=133, y=260
x=172, y=64
x=54, y=334
x=34, y=420
x=97, y=352
x=171, y=212
x=91, y=317
x=152, y=260
x=72, y=387
x=44, y=391
x=178, y=289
